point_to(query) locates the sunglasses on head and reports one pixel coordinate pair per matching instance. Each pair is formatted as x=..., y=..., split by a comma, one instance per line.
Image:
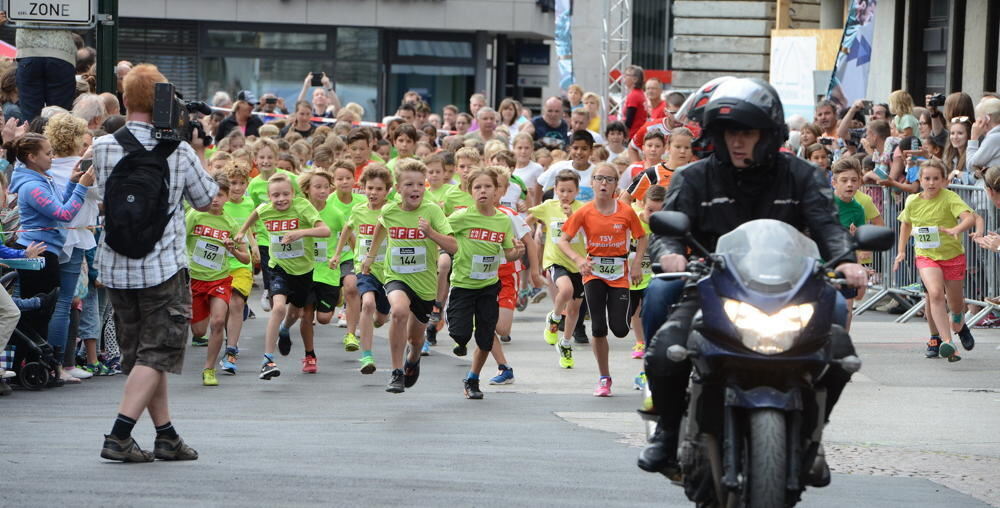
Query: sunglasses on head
x=960, y=119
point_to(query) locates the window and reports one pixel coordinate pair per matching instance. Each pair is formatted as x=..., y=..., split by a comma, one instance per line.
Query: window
x=247, y=39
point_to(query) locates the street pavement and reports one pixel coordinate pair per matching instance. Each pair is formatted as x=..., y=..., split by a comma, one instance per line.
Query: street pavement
x=908, y=432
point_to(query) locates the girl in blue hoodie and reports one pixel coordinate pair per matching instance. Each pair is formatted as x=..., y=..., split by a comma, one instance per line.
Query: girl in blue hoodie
x=42, y=214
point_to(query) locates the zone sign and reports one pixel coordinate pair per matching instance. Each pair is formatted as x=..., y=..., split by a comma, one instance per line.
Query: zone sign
x=57, y=11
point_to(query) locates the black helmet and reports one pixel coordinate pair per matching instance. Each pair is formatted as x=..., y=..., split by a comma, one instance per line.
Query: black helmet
x=746, y=103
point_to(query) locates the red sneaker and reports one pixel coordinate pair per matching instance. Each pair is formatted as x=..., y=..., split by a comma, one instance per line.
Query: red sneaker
x=309, y=365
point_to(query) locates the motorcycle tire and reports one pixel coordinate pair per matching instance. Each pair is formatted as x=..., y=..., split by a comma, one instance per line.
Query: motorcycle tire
x=767, y=457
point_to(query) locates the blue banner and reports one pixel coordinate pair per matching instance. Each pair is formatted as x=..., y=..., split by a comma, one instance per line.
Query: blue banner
x=849, y=81
x=564, y=42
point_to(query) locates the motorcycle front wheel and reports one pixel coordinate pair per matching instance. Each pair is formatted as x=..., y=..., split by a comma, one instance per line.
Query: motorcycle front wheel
x=768, y=460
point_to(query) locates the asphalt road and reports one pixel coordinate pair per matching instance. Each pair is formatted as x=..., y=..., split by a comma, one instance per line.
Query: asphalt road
x=905, y=434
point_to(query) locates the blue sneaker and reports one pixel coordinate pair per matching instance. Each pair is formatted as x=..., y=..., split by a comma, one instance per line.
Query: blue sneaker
x=639, y=382
x=505, y=377
x=228, y=362
x=426, y=350
x=284, y=341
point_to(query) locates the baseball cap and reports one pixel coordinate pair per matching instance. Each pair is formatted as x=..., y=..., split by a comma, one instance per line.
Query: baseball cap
x=246, y=95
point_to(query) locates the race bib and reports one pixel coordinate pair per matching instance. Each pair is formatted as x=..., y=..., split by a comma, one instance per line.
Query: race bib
x=208, y=254
x=319, y=251
x=484, y=267
x=408, y=259
x=926, y=237
x=608, y=268
x=647, y=265
x=292, y=250
x=366, y=246
x=555, y=230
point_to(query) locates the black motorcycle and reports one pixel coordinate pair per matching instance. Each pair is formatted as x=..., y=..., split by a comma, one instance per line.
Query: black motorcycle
x=758, y=346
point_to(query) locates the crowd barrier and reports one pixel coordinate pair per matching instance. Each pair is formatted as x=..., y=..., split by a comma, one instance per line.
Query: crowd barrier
x=904, y=284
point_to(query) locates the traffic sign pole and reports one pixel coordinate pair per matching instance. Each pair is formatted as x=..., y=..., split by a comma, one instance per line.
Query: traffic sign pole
x=107, y=45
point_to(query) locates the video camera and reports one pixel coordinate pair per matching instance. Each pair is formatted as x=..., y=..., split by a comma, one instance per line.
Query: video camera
x=172, y=115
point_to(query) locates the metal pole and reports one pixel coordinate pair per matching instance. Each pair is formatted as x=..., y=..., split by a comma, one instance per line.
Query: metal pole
x=107, y=45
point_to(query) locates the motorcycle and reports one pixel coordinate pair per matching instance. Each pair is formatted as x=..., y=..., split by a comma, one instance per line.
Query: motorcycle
x=758, y=346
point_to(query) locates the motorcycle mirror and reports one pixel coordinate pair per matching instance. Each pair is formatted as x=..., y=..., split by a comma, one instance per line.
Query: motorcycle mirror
x=669, y=223
x=874, y=238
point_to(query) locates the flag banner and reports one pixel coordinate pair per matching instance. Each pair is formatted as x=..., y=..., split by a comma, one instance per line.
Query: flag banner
x=849, y=81
x=564, y=42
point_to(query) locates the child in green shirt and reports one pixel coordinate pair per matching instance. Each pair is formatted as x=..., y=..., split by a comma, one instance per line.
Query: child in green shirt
x=360, y=230
x=344, y=200
x=291, y=224
x=415, y=229
x=239, y=207
x=210, y=241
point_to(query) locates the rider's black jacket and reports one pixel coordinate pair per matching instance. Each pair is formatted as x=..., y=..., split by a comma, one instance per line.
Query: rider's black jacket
x=718, y=198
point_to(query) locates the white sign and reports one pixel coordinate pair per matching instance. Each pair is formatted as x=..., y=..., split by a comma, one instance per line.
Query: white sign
x=56, y=11
x=793, y=60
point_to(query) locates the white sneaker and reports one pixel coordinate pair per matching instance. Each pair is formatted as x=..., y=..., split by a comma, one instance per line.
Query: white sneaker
x=342, y=320
x=6, y=374
x=265, y=302
x=79, y=373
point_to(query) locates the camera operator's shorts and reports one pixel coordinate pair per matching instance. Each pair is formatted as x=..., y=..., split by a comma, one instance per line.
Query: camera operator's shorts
x=202, y=292
x=953, y=269
x=153, y=323
x=295, y=287
x=556, y=271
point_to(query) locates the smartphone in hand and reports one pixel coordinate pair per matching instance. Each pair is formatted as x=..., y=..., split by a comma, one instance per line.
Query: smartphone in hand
x=317, y=79
x=85, y=164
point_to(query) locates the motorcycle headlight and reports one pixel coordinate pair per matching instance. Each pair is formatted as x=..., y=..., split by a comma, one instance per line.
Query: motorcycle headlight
x=768, y=334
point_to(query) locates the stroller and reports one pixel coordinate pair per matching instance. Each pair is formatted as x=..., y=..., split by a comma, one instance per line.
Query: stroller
x=34, y=360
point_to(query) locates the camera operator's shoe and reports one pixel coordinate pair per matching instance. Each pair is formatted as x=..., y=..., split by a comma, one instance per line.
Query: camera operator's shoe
x=660, y=455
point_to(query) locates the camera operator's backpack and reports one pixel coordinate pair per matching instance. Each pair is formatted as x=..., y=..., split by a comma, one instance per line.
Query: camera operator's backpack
x=137, y=196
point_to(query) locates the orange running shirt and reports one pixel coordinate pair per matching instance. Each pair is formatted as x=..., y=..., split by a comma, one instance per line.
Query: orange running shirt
x=607, y=240
x=656, y=175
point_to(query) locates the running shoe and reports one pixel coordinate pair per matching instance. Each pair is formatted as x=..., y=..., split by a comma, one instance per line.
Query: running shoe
x=351, y=343
x=472, y=390
x=538, y=294
x=199, y=341
x=249, y=313
x=284, y=341
x=949, y=351
x=565, y=356
x=79, y=373
x=968, y=341
x=396, y=382
x=309, y=365
x=367, y=364
x=411, y=372
x=522, y=299
x=228, y=362
x=505, y=338
x=505, y=377
x=208, y=377
x=460, y=349
x=638, y=350
x=98, y=369
x=269, y=370
x=933, y=347
x=342, y=320
x=603, y=387
x=640, y=381
x=265, y=301
x=376, y=323
x=432, y=334
x=435, y=314
x=552, y=330
x=425, y=350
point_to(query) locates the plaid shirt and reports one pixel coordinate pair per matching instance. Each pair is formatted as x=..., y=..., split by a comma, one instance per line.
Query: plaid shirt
x=189, y=180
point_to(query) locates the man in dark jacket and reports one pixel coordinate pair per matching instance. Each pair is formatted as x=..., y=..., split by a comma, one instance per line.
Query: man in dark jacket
x=242, y=118
x=746, y=179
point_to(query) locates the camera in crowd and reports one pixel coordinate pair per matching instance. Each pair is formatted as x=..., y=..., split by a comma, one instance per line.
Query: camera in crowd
x=172, y=115
x=936, y=101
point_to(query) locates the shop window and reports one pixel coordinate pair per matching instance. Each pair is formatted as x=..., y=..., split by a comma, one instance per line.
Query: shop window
x=252, y=39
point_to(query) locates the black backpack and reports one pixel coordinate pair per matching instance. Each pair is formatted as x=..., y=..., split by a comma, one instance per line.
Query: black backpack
x=137, y=196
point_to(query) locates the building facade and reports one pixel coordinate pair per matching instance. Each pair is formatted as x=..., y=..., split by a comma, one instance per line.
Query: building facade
x=374, y=50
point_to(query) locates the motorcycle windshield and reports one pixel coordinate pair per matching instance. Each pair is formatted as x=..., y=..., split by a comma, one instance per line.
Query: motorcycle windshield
x=768, y=255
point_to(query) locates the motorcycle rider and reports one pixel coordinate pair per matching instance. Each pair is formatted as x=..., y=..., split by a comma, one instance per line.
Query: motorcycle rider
x=747, y=178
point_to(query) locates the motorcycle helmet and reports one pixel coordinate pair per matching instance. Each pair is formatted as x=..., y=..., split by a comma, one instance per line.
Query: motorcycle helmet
x=692, y=109
x=746, y=103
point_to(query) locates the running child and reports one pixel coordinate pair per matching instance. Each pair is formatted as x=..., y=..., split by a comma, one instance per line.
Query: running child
x=651, y=203
x=659, y=174
x=847, y=177
x=344, y=200
x=413, y=230
x=210, y=241
x=484, y=237
x=565, y=275
x=654, y=145
x=266, y=159
x=930, y=217
x=325, y=292
x=404, y=140
x=239, y=209
x=291, y=224
x=608, y=225
x=360, y=229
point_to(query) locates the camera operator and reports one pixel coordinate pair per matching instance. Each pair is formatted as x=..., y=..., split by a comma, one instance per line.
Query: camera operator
x=151, y=295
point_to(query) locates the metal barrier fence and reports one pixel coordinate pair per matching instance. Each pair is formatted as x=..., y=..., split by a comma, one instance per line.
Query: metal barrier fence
x=904, y=284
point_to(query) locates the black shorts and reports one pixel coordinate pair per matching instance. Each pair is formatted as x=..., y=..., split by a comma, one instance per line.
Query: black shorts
x=468, y=307
x=370, y=284
x=635, y=301
x=420, y=308
x=556, y=271
x=346, y=268
x=296, y=288
x=323, y=297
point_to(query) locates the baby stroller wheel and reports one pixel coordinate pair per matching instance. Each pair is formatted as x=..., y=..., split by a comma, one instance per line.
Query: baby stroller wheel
x=34, y=375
